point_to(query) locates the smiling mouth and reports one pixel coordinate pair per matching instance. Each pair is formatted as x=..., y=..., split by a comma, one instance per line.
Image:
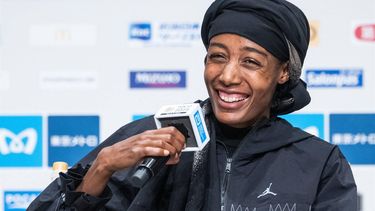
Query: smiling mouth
x=231, y=98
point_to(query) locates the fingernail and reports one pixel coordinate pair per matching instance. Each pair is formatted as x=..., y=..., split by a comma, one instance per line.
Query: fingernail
x=166, y=152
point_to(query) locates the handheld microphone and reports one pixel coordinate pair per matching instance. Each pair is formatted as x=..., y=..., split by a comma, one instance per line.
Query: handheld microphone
x=189, y=120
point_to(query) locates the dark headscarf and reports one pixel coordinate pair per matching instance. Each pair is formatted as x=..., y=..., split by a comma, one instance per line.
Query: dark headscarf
x=276, y=25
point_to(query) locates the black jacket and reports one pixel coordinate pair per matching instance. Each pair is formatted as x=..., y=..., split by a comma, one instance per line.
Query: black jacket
x=275, y=168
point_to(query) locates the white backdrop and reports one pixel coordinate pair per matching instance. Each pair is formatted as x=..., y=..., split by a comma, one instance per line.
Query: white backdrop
x=74, y=58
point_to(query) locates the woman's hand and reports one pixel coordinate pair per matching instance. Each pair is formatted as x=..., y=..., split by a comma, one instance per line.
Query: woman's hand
x=127, y=153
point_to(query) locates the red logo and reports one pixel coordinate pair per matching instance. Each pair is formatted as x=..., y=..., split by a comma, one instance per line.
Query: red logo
x=365, y=32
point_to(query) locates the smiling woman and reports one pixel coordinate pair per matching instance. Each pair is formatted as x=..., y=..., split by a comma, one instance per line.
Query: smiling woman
x=241, y=79
x=255, y=160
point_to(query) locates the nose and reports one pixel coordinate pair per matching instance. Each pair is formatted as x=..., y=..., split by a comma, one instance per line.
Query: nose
x=230, y=74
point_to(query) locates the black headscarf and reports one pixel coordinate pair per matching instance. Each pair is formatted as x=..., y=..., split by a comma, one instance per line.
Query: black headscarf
x=276, y=25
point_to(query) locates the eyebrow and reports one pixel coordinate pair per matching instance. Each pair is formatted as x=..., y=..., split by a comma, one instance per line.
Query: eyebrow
x=246, y=48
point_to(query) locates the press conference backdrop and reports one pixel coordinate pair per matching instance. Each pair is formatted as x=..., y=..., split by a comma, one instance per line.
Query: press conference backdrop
x=74, y=71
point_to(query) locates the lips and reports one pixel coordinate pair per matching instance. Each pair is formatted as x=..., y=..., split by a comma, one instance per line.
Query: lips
x=231, y=97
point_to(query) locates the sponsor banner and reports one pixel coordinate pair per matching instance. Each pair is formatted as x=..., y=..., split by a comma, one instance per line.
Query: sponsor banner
x=311, y=123
x=20, y=141
x=63, y=35
x=334, y=78
x=314, y=33
x=363, y=32
x=18, y=200
x=67, y=80
x=169, y=34
x=157, y=79
x=4, y=80
x=355, y=135
x=71, y=137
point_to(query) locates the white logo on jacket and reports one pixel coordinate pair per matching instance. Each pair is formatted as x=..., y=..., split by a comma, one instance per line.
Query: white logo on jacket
x=267, y=191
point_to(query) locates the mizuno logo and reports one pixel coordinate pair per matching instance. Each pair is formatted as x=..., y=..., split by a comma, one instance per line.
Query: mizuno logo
x=157, y=79
x=23, y=142
x=267, y=191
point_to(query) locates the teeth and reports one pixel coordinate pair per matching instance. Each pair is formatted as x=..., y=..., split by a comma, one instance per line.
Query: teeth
x=231, y=99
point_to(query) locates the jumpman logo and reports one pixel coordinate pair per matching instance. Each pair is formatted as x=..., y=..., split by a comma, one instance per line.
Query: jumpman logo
x=267, y=191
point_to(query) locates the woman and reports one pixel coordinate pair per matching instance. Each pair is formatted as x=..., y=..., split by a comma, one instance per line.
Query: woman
x=255, y=160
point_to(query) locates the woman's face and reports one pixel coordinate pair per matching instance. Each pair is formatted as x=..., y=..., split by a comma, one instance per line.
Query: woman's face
x=241, y=78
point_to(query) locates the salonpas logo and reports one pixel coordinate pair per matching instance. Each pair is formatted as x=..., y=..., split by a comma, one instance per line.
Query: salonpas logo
x=335, y=78
x=23, y=142
x=157, y=79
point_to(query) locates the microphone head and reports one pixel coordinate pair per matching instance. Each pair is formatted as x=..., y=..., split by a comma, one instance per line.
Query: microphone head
x=189, y=120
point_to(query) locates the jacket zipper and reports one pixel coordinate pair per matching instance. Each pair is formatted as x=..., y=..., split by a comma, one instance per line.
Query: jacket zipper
x=227, y=172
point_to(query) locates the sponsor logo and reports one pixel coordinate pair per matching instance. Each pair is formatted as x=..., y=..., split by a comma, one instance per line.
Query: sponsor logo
x=68, y=80
x=365, y=32
x=140, y=31
x=198, y=121
x=18, y=200
x=71, y=137
x=334, y=78
x=314, y=33
x=67, y=35
x=311, y=123
x=20, y=141
x=355, y=135
x=16, y=145
x=157, y=79
x=164, y=34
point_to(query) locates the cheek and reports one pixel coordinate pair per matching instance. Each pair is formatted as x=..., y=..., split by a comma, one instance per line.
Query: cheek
x=263, y=86
x=209, y=74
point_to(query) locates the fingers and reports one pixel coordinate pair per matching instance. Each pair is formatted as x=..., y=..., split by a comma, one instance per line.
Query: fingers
x=160, y=142
x=174, y=159
x=169, y=135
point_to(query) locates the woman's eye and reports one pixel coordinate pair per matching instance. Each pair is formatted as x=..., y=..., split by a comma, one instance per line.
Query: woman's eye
x=216, y=57
x=251, y=62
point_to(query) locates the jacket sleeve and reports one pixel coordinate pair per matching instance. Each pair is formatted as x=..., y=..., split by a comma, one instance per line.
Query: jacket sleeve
x=337, y=190
x=61, y=194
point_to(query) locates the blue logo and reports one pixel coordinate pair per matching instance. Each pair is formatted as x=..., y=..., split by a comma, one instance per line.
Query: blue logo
x=355, y=135
x=140, y=31
x=334, y=78
x=20, y=141
x=71, y=137
x=157, y=79
x=201, y=131
x=18, y=200
x=311, y=123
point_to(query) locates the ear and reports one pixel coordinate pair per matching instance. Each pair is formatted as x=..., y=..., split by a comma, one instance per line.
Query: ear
x=284, y=73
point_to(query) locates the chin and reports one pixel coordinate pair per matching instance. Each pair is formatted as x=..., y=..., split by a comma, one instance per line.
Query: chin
x=231, y=120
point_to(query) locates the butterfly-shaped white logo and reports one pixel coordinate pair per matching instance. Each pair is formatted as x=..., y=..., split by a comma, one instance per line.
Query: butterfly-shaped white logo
x=16, y=144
